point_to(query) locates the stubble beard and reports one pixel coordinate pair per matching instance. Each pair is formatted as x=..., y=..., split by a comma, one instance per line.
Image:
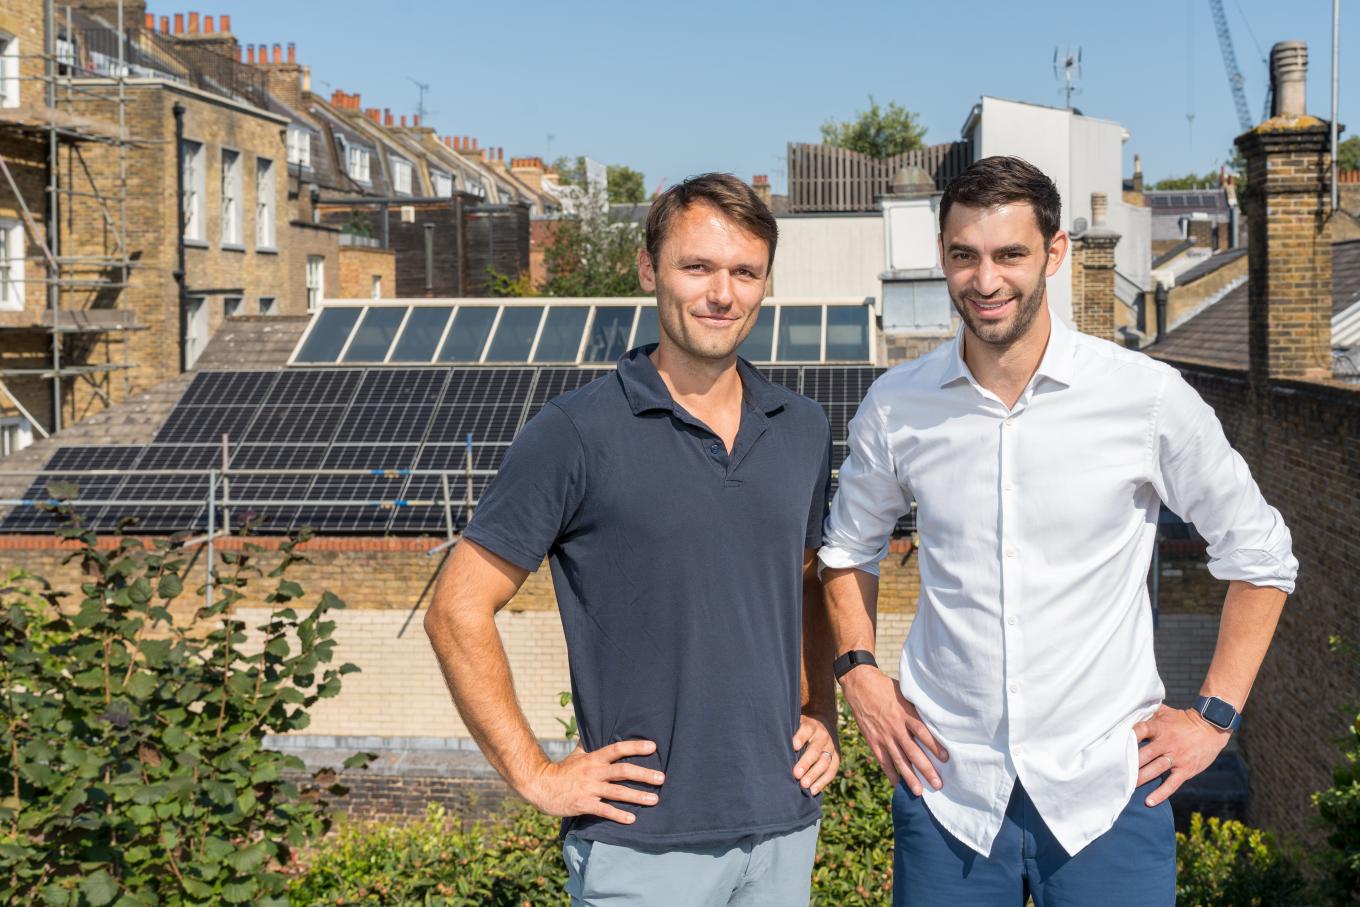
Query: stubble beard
x=671, y=317
x=1004, y=335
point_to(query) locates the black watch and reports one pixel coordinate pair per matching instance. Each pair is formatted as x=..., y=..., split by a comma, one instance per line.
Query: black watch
x=852, y=659
x=1219, y=713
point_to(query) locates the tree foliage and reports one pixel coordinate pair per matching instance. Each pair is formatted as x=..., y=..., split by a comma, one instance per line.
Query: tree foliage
x=131, y=748
x=592, y=254
x=625, y=185
x=1348, y=154
x=1189, y=181
x=1227, y=864
x=876, y=132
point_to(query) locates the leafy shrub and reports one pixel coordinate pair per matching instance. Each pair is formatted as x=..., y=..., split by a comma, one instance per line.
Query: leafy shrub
x=516, y=861
x=1339, y=809
x=1228, y=864
x=855, y=845
x=131, y=759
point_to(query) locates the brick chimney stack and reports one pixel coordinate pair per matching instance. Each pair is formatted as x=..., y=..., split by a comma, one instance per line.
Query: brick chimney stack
x=1093, y=299
x=1289, y=249
x=761, y=184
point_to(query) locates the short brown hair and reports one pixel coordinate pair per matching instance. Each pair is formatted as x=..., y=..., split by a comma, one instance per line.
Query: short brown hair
x=999, y=180
x=723, y=191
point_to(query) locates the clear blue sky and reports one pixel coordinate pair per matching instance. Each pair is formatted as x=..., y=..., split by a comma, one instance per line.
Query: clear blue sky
x=678, y=88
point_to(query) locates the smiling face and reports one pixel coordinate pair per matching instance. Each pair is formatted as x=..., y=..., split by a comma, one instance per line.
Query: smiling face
x=709, y=279
x=996, y=263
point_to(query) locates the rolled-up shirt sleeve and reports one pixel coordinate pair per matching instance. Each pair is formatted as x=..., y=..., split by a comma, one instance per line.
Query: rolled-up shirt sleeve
x=870, y=498
x=1206, y=482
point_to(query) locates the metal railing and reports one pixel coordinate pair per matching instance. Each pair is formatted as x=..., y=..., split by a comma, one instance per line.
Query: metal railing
x=95, y=52
x=823, y=178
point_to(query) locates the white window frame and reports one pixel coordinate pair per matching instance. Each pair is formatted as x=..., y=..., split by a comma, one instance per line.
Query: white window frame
x=377, y=287
x=196, y=330
x=265, y=230
x=402, y=175
x=9, y=70
x=316, y=281
x=232, y=306
x=357, y=163
x=12, y=249
x=299, y=146
x=269, y=305
x=442, y=183
x=12, y=440
x=231, y=198
x=195, y=183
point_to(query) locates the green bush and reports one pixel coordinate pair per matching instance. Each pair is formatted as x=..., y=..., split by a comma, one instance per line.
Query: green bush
x=1339, y=809
x=132, y=769
x=1227, y=864
x=512, y=862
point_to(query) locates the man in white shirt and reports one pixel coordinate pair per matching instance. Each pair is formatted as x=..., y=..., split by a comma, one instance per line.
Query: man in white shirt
x=1028, y=739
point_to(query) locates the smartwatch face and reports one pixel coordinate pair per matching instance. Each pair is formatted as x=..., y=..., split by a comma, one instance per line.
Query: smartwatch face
x=1219, y=713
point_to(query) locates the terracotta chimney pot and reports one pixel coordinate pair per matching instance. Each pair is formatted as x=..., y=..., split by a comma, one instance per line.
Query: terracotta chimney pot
x=179, y=23
x=225, y=22
x=193, y=23
x=150, y=21
x=415, y=120
x=208, y=25
x=250, y=56
x=278, y=53
x=292, y=54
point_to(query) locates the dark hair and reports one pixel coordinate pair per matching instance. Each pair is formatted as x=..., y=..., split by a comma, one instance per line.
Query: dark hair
x=723, y=191
x=1000, y=179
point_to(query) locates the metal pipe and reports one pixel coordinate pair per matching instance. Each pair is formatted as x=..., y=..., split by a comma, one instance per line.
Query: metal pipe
x=180, y=227
x=53, y=208
x=1336, y=63
x=1160, y=300
x=212, y=533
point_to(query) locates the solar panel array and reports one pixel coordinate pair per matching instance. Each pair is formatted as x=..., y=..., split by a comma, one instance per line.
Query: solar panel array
x=385, y=421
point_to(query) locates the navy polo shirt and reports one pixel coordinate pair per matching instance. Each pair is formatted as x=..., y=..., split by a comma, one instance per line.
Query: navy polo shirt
x=678, y=572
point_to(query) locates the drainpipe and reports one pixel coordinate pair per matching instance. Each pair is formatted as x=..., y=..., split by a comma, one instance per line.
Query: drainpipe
x=1160, y=298
x=180, y=226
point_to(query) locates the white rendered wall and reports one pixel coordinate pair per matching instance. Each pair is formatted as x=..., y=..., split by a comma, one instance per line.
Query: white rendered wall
x=829, y=255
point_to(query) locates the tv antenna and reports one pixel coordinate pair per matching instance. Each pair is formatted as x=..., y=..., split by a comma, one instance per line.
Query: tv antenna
x=1067, y=69
x=420, y=104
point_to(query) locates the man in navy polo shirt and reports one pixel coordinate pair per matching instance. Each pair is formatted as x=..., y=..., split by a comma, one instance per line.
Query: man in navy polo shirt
x=680, y=502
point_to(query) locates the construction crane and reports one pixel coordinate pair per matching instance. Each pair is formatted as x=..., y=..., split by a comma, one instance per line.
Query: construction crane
x=1235, y=79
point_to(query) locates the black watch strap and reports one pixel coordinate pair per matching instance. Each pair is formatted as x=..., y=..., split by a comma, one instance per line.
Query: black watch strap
x=852, y=659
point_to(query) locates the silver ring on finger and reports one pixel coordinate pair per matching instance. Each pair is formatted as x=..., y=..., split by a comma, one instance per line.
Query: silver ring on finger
x=1170, y=764
x=828, y=754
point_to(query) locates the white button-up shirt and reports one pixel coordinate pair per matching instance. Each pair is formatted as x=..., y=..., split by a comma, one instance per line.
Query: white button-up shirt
x=1031, y=654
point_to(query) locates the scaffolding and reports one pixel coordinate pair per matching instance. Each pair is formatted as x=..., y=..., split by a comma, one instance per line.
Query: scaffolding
x=82, y=290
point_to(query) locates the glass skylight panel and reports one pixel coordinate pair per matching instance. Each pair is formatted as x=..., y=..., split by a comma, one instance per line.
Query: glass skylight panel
x=467, y=337
x=561, y=334
x=648, y=330
x=847, y=333
x=373, y=337
x=800, y=333
x=756, y=346
x=420, y=337
x=329, y=333
x=609, y=333
x=515, y=334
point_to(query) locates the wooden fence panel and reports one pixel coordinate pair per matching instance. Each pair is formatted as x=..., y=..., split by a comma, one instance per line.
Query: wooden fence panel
x=826, y=178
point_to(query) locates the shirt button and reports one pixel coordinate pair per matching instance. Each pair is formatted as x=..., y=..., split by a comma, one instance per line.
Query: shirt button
x=1010, y=552
x=714, y=450
x=1010, y=420
x=1015, y=688
x=1011, y=620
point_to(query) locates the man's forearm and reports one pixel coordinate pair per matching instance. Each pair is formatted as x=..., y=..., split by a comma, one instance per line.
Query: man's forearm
x=1250, y=614
x=477, y=672
x=852, y=608
x=819, y=649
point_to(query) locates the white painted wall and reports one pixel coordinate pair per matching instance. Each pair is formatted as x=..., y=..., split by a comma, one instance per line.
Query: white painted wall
x=829, y=255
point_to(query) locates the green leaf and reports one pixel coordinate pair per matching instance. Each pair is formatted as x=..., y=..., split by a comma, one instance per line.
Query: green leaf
x=169, y=586
x=140, y=590
x=99, y=888
x=54, y=895
x=278, y=647
x=141, y=685
x=240, y=892
x=360, y=760
x=289, y=589
x=217, y=848
x=249, y=858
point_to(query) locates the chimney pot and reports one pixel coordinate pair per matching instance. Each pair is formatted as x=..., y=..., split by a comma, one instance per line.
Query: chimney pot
x=403, y=121
x=500, y=154
x=193, y=23
x=387, y=116
x=416, y=120
x=1099, y=208
x=292, y=54
x=278, y=53
x=150, y=21
x=250, y=58
x=208, y=25
x=179, y=23
x=165, y=24
x=474, y=143
x=1289, y=75
x=225, y=22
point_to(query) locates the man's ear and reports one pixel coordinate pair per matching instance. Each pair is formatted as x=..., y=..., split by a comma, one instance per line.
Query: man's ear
x=646, y=271
x=1057, y=251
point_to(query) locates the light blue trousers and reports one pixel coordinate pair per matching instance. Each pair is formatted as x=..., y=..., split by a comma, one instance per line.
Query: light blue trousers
x=759, y=871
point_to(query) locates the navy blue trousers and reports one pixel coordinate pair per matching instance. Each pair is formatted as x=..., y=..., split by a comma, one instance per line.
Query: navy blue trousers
x=1131, y=865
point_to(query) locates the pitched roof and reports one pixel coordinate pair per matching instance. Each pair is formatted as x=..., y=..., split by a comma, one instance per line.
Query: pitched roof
x=1210, y=265
x=1217, y=336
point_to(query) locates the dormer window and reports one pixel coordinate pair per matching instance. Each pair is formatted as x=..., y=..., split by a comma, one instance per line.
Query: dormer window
x=401, y=175
x=357, y=163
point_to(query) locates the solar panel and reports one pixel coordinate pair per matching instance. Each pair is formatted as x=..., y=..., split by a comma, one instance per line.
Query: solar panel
x=431, y=519
x=204, y=424
x=486, y=424
x=554, y=382
x=453, y=457
x=190, y=516
x=294, y=425
x=180, y=456
x=790, y=376
x=313, y=387
x=32, y=519
x=368, y=517
x=256, y=491
x=481, y=386
x=228, y=388
x=401, y=387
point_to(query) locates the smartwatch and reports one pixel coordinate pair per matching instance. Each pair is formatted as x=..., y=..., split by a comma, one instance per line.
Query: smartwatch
x=1220, y=714
x=852, y=659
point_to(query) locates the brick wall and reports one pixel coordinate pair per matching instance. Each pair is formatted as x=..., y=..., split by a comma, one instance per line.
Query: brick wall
x=1300, y=442
x=1093, y=299
x=358, y=268
x=1184, y=301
